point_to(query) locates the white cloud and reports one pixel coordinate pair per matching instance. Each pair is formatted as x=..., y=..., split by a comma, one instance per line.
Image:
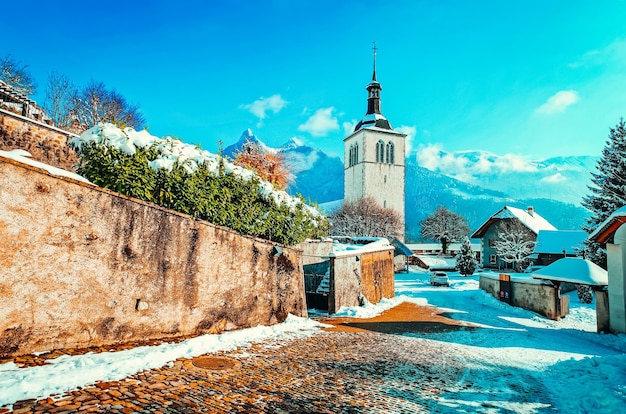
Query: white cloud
x=320, y=123
x=555, y=178
x=612, y=53
x=558, y=102
x=410, y=132
x=466, y=166
x=261, y=106
x=348, y=127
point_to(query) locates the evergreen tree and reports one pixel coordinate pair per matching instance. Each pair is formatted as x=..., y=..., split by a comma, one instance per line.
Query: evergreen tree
x=465, y=260
x=608, y=192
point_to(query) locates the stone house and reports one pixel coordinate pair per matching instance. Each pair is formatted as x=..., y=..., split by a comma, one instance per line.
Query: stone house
x=489, y=232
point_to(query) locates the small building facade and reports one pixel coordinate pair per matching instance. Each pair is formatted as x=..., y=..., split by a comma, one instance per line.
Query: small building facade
x=489, y=232
x=553, y=245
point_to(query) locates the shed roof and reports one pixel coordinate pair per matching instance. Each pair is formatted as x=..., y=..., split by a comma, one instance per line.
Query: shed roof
x=529, y=218
x=559, y=241
x=574, y=270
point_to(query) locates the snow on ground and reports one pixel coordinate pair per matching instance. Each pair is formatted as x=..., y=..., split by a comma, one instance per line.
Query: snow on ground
x=517, y=361
x=579, y=369
x=67, y=373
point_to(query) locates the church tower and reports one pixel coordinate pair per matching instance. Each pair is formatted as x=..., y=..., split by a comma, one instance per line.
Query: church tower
x=374, y=159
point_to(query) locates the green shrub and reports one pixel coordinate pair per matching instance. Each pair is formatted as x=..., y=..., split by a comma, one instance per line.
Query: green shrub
x=195, y=182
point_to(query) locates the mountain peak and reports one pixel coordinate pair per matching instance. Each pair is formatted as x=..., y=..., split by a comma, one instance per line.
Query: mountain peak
x=292, y=143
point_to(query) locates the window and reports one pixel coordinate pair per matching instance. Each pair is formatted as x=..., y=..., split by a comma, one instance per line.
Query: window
x=353, y=156
x=391, y=150
x=493, y=259
x=380, y=151
x=492, y=242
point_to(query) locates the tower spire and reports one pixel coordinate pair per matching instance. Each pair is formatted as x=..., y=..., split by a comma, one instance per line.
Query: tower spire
x=373, y=116
x=375, y=49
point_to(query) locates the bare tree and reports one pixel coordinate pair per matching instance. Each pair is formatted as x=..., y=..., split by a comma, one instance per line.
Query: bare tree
x=16, y=74
x=59, y=101
x=444, y=226
x=95, y=103
x=365, y=217
x=514, y=244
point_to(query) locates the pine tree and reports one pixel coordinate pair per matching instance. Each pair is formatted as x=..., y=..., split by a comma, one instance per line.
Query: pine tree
x=608, y=192
x=465, y=260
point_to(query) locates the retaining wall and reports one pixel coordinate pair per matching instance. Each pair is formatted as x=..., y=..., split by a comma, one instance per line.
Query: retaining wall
x=45, y=143
x=532, y=295
x=82, y=266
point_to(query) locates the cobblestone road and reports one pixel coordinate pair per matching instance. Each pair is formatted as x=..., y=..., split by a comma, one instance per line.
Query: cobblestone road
x=355, y=369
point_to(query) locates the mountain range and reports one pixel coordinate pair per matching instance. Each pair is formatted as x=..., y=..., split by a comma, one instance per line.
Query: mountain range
x=487, y=182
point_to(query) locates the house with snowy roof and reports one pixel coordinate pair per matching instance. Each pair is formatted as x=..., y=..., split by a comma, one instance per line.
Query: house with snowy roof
x=553, y=245
x=489, y=232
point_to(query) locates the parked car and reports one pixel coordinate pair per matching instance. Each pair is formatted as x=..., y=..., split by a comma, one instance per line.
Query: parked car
x=439, y=279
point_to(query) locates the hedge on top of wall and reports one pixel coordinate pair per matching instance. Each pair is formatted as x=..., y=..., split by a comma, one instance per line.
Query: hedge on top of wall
x=185, y=178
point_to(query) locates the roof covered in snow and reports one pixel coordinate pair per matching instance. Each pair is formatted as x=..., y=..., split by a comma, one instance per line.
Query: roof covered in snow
x=529, y=218
x=559, y=241
x=574, y=270
x=353, y=246
x=605, y=231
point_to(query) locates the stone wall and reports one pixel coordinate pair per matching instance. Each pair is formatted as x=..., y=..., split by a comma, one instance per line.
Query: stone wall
x=44, y=142
x=366, y=273
x=532, y=295
x=82, y=266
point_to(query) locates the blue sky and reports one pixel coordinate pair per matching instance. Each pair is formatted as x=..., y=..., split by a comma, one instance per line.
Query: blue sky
x=535, y=78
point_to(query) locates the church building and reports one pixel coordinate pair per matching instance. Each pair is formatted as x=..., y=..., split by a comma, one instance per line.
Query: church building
x=374, y=159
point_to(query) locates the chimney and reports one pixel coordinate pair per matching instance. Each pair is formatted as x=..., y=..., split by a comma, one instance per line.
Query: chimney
x=531, y=210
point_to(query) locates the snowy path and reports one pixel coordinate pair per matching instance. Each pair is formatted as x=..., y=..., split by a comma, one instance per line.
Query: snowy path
x=520, y=361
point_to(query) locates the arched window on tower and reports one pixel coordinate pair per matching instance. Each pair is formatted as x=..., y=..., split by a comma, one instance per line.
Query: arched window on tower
x=380, y=151
x=387, y=154
x=353, y=156
x=350, y=156
x=391, y=150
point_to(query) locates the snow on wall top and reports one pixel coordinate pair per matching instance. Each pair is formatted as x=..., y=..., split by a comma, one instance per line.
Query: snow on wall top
x=24, y=157
x=172, y=151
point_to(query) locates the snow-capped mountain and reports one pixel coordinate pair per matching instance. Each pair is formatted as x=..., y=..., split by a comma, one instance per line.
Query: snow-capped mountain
x=560, y=178
x=317, y=176
x=474, y=184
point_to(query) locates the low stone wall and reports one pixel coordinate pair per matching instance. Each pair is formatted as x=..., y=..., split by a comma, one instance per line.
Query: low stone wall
x=529, y=294
x=82, y=266
x=370, y=273
x=45, y=143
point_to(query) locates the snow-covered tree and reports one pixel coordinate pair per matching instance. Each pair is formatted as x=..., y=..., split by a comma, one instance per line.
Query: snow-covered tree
x=444, y=226
x=608, y=192
x=514, y=244
x=365, y=217
x=465, y=260
x=16, y=74
x=269, y=166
